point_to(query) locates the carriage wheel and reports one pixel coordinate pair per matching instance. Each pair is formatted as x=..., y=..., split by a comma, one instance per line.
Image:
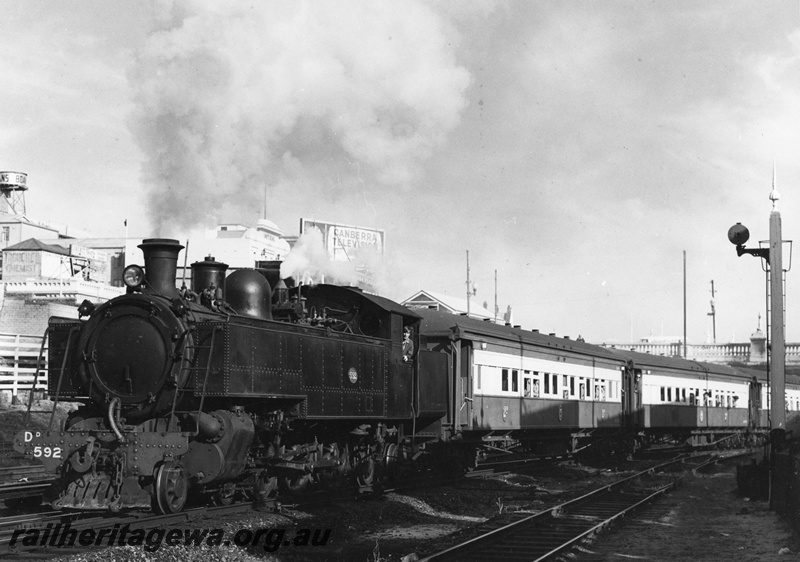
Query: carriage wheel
x=172, y=487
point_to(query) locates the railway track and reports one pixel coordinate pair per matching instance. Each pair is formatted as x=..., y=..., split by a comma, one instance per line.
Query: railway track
x=561, y=515
x=9, y=473
x=21, y=486
x=556, y=530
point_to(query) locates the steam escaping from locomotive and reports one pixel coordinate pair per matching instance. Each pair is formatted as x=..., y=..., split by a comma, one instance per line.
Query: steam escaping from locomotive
x=309, y=263
x=234, y=99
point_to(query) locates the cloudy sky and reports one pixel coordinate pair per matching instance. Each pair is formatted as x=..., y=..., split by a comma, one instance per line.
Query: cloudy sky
x=577, y=148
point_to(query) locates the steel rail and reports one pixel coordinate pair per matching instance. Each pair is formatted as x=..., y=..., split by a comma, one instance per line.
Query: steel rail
x=16, y=472
x=569, y=522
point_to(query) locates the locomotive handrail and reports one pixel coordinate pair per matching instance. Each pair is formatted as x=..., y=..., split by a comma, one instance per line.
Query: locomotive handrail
x=36, y=376
x=205, y=376
x=208, y=371
x=60, y=373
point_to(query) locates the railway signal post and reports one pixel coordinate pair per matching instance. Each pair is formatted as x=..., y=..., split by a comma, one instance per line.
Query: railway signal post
x=776, y=350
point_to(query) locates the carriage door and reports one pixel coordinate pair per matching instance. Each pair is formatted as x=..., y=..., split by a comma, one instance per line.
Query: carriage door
x=464, y=386
x=631, y=397
x=754, y=404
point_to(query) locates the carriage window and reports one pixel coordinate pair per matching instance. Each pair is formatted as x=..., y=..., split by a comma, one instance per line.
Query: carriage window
x=572, y=386
x=683, y=395
x=691, y=398
x=526, y=387
x=514, y=381
x=663, y=394
x=582, y=390
x=669, y=394
x=505, y=380
x=555, y=385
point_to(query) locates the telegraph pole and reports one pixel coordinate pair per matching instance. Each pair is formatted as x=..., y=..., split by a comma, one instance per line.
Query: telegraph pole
x=713, y=314
x=684, y=305
x=495, y=296
x=468, y=287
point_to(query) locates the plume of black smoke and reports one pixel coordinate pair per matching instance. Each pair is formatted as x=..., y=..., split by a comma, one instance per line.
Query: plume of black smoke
x=233, y=96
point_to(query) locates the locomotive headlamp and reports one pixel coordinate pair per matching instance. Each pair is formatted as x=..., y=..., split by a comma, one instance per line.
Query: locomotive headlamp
x=133, y=276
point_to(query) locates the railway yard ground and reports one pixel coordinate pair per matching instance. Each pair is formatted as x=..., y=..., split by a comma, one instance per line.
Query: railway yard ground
x=703, y=519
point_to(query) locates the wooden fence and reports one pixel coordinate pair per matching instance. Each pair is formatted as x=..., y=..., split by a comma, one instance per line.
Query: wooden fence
x=18, y=357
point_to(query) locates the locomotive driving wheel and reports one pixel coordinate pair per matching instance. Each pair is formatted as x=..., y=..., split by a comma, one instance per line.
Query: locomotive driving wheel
x=330, y=476
x=171, y=487
x=225, y=495
x=263, y=486
x=296, y=484
x=365, y=472
x=393, y=458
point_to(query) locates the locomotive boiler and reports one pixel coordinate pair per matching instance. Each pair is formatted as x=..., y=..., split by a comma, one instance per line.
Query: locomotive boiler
x=225, y=388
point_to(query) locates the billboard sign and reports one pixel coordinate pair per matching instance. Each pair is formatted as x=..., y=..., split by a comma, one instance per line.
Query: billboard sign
x=347, y=243
x=91, y=264
x=343, y=241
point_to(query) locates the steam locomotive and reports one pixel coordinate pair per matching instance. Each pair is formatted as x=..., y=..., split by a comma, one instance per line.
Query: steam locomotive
x=242, y=385
x=228, y=387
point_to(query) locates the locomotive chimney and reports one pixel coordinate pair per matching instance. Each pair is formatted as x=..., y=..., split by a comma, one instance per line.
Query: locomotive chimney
x=161, y=265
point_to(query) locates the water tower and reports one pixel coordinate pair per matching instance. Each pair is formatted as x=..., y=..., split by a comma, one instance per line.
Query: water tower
x=13, y=186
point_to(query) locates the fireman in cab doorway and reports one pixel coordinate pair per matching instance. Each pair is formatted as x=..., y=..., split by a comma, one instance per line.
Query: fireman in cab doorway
x=408, y=345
